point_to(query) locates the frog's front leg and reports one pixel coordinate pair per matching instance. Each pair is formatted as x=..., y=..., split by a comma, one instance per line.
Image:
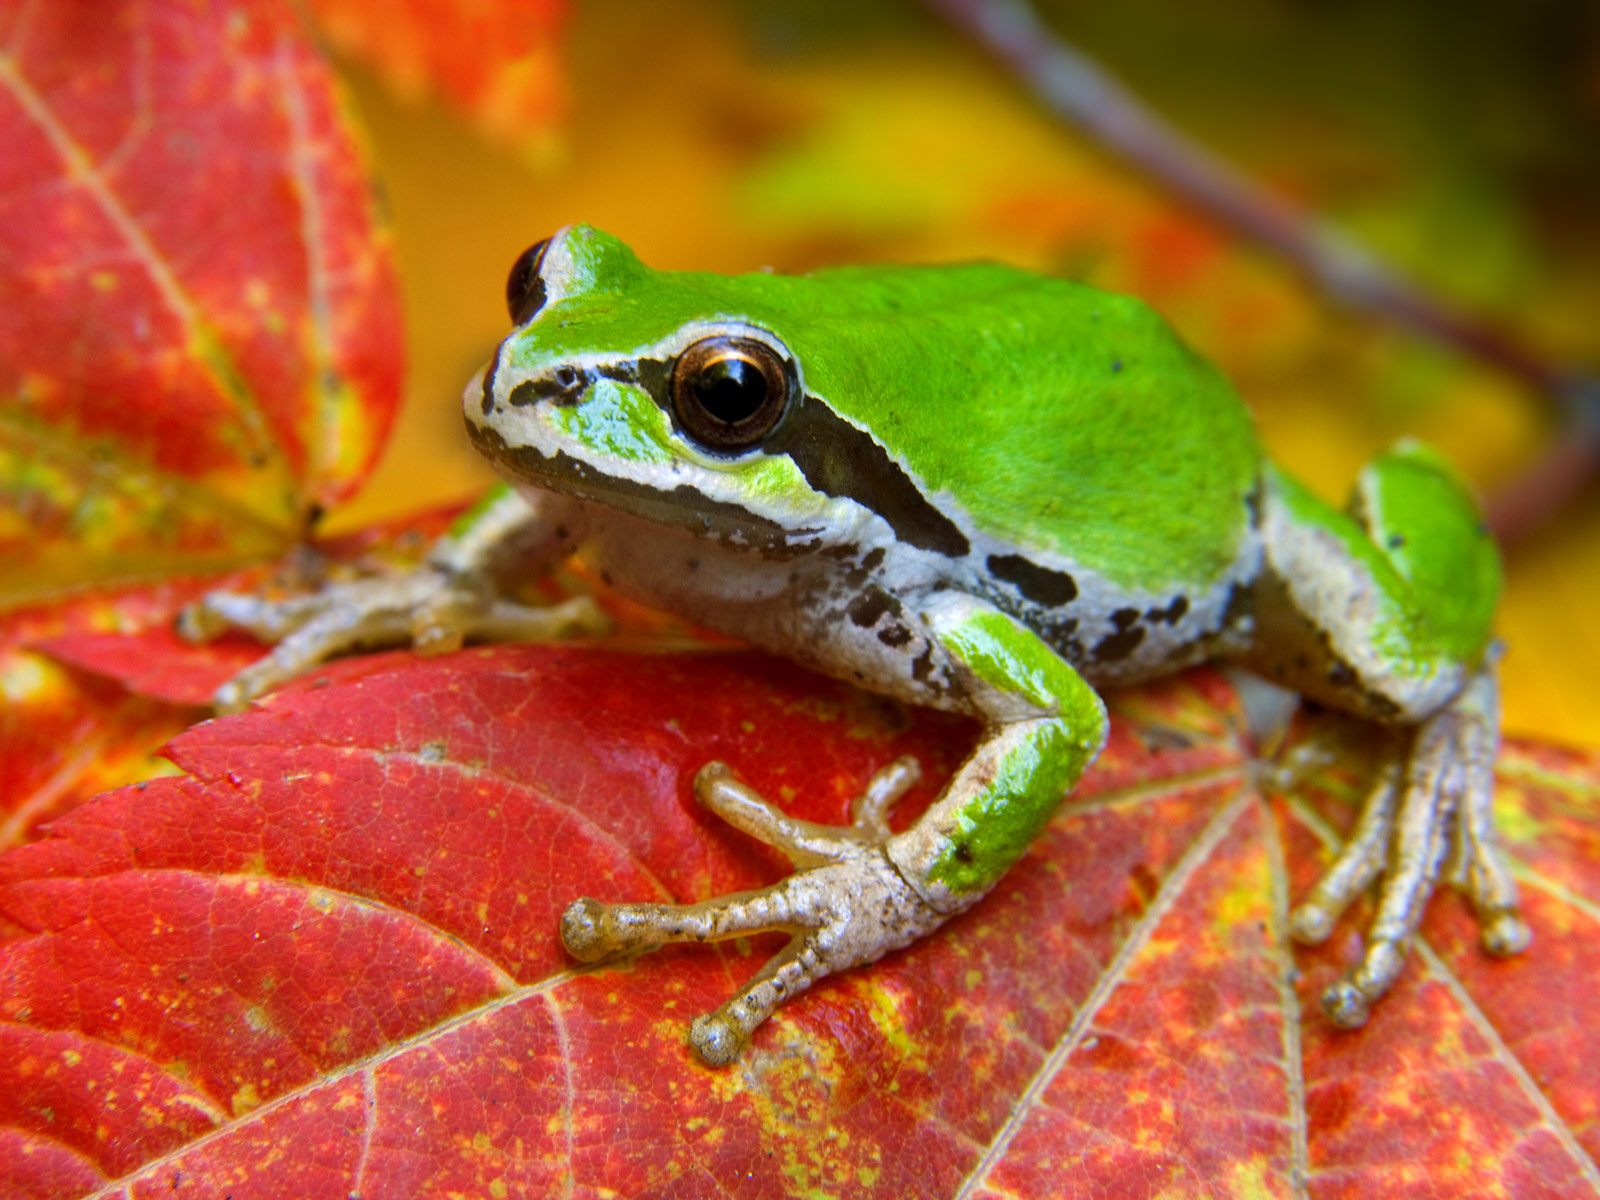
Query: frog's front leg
x=456, y=594
x=1384, y=611
x=859, y=892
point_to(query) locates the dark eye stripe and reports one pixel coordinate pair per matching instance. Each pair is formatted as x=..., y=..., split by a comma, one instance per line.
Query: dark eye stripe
x=837, y=459
x=840, y=460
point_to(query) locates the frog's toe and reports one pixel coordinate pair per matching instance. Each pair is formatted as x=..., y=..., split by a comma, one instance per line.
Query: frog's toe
x=845, y=905
x=218, y=612
x=1439, y=808
x=328, y=633
x=717, y=1038
x=452, y=616
x=1358, y=863
x=807, y=843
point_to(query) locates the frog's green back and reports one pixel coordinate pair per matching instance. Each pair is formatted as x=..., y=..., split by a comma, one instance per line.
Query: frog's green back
x=1059, y=417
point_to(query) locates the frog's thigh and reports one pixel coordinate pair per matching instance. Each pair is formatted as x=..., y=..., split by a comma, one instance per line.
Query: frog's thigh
x=1384, y=611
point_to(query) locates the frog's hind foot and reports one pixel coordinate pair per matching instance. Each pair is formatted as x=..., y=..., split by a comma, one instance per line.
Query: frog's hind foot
x=1434, y=807
x=845, y=905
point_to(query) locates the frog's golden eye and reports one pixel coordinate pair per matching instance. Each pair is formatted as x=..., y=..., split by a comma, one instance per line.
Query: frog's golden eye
x=524, y=287
x=729, y=392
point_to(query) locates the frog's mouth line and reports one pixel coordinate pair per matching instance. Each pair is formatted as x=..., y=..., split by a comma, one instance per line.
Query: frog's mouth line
x=683, y=507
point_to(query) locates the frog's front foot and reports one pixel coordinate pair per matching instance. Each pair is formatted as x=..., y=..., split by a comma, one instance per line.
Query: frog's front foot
x=430, y=608
x=845, y=905
x=1432, y=807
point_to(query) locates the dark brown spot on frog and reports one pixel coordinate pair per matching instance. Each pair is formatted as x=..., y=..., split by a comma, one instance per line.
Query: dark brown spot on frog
x=922, y=665
x=1171, y=614
x=839, y=459
x=1125, y=641
x=1340, y=675
x=1382, y=707
x=563, y=389
x=1252, y=504
x=874, y=559
x=1240, y=605
x=1042, y=585
x=894, y=636
x=871, y=604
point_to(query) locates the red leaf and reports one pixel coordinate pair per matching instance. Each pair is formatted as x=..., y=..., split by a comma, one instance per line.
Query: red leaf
x=64, y=735
x=326, y=962
x=198, y=314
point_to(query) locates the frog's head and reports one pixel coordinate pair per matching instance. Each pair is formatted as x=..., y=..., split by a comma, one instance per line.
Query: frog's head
x=669, y=395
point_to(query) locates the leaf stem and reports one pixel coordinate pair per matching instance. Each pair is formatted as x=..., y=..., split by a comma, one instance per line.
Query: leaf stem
x=1086, y=96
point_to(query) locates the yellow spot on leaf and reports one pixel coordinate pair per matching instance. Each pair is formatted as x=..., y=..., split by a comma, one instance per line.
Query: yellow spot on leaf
x=28, y=677
x=246, y=1099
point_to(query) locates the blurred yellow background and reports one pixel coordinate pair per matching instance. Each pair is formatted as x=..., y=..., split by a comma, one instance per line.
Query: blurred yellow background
x=709, y=135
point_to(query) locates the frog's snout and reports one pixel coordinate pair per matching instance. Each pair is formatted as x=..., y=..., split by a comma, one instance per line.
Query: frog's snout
x=563, y=387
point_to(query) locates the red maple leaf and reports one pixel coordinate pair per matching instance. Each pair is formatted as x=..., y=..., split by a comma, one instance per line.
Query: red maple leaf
x=322, y=960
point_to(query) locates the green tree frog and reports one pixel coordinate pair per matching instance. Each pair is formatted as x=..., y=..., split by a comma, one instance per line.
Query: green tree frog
x=970, y=487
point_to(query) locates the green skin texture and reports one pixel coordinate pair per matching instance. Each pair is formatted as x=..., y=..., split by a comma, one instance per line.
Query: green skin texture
x=1089, y=452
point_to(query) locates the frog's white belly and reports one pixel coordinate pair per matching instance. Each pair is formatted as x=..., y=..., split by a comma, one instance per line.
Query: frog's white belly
x=858, y=614
x=800, y=606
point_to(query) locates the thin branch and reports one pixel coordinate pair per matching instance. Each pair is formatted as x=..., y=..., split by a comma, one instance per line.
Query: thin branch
x=1082, y=93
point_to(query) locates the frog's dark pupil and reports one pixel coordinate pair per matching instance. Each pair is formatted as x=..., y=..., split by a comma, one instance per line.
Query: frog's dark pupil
x=731, y=389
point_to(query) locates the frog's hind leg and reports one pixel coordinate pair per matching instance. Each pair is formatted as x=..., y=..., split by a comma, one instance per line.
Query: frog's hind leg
x=1384, y=611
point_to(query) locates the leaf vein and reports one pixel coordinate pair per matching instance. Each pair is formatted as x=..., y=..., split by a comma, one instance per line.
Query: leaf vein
x=1177, y=879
